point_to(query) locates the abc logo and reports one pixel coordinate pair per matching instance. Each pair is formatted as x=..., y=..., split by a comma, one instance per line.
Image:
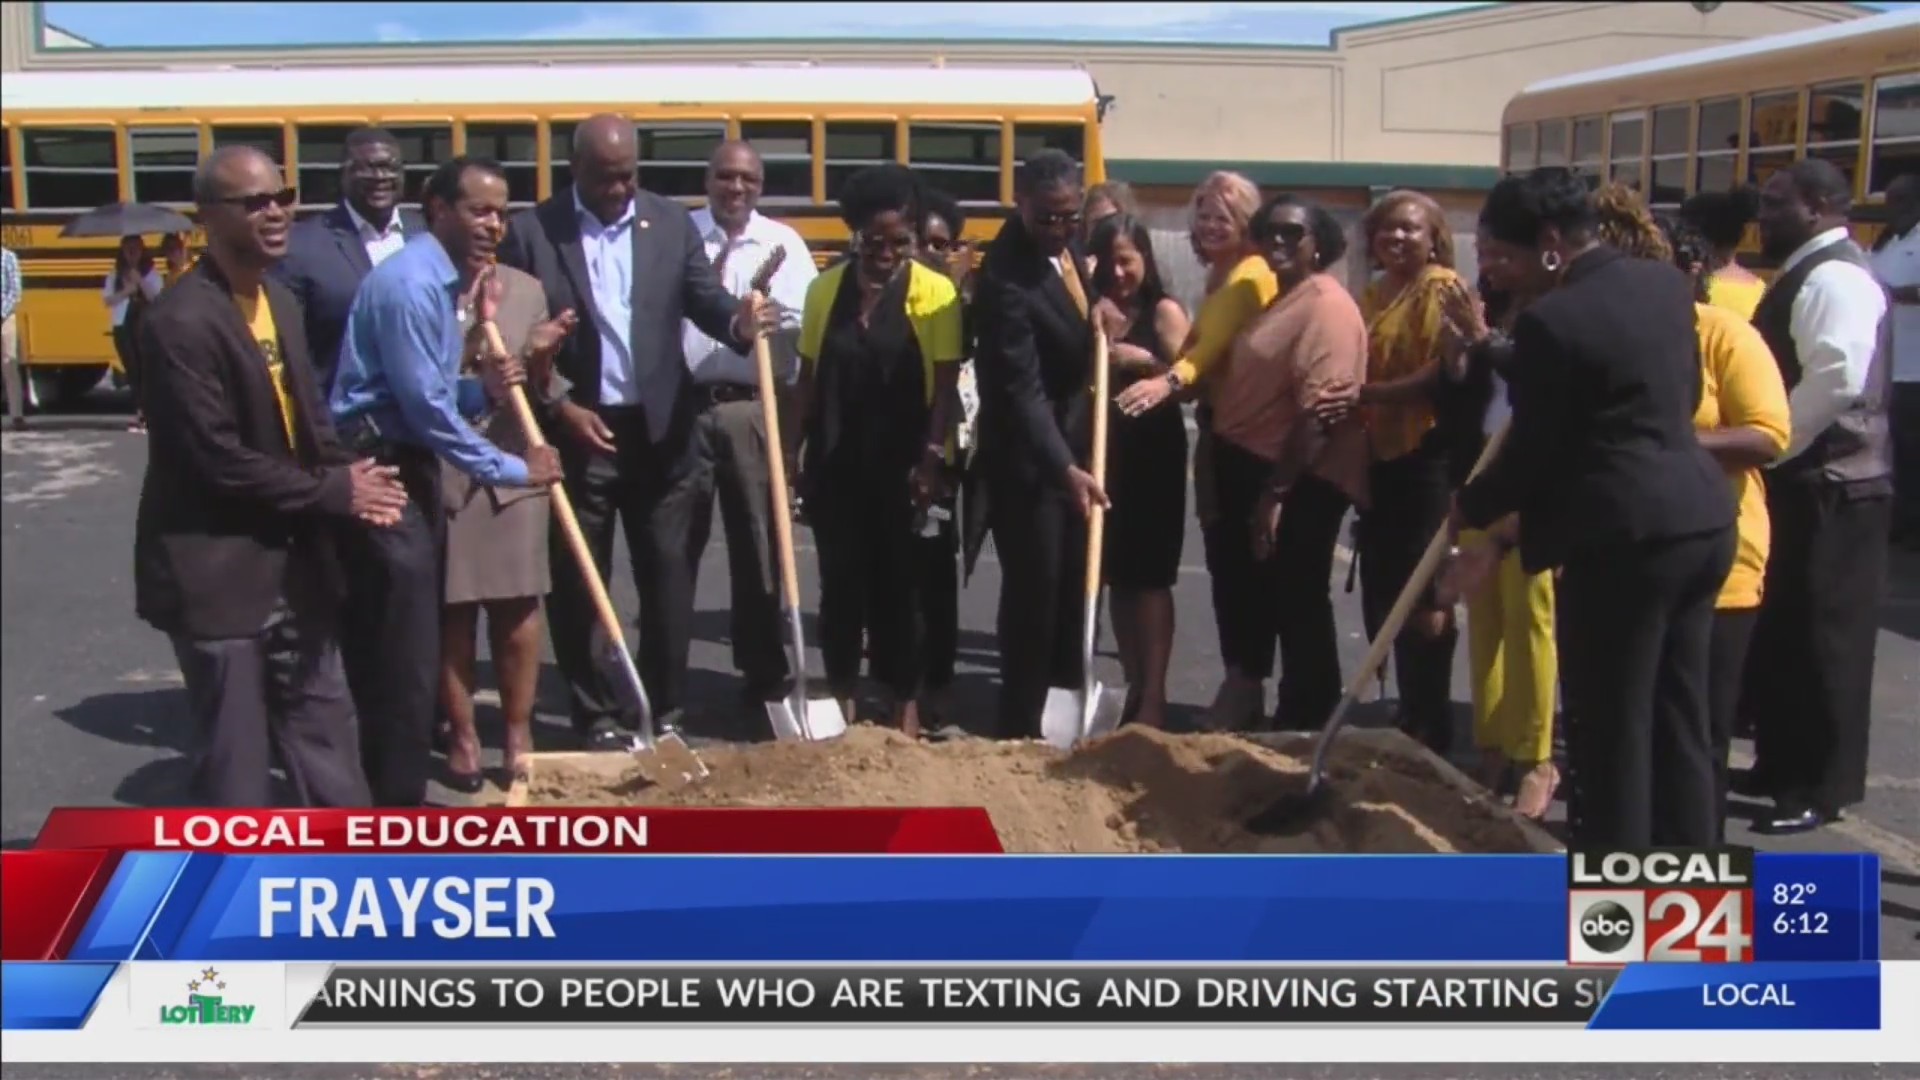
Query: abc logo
x=1606, y=927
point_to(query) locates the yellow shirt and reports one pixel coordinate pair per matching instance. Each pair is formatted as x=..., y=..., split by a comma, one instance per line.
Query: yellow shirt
x=1740, y=386
x=1249, y=288
x=1403, y=336
x=933, y=308
x=258, y=315
x=1739, y=297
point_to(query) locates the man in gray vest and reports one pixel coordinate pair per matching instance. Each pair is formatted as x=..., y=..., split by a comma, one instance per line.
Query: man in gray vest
x=1831, y=500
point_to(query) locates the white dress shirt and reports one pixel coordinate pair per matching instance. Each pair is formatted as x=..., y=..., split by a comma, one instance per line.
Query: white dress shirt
x=608, y=252
x=380, y=243
x=1836, y=328
x=709, y=360
x=150, y=285
x=1898, y=267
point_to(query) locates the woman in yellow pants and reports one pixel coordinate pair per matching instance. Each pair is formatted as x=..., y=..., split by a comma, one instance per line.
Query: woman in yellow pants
x=1510, y=632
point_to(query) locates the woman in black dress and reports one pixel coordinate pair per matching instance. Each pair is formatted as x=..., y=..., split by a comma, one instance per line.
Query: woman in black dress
x=880, y=350
x=1147, y=461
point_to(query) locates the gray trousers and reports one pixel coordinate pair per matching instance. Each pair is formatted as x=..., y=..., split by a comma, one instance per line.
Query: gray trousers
x=281, y=690
x=730, y=447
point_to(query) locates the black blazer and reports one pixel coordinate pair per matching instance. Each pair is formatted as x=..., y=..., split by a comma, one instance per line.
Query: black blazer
x=1033, y=362
x=326, y=261
x=1602, y=452
x=672, y=280
x=230, y=519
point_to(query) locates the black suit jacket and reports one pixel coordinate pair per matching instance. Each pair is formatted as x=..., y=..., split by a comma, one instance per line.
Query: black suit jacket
x=231, y=519
x=1033, y=362
x=672, y=280
x=326, y=261
x=1605, y=379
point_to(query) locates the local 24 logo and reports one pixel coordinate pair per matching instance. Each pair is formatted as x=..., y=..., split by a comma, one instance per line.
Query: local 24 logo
x=1625, y=907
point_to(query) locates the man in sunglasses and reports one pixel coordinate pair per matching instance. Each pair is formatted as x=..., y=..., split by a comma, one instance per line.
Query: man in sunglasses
x=400, y=395
x=1034, y=361
x=328, y=256
x=232, y=553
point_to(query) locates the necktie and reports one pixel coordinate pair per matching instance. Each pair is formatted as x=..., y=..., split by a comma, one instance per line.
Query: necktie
x=1070, y=274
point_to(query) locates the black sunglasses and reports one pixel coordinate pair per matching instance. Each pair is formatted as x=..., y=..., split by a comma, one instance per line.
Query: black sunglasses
x=1048, y=220
x=936, y=244
x=869, y=242
x=1290, y=233
x=260, y=200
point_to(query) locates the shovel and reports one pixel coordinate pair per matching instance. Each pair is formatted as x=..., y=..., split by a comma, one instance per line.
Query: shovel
x=797, y=716
x=1071, y=717
x=661, y=756
x=1293, y=812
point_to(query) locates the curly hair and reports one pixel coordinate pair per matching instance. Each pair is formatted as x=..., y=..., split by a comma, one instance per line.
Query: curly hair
x=1439, y=233
x=935, y=203
x=878, y=189
x=1519, y=207
x=1623, y=221
x=1692, y=251
x=1329, y=239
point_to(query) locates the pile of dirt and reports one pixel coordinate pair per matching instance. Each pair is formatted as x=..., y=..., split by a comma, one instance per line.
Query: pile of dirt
x=1138, y=790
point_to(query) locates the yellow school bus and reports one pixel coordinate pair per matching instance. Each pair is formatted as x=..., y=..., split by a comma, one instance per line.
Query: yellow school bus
x=1712, y=119
x=76, y=140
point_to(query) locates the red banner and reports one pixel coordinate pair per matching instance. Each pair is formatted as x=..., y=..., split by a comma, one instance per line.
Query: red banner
x=44, y=896
x=575, y=831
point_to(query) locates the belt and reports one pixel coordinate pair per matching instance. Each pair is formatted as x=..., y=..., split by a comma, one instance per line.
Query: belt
x=707, y=395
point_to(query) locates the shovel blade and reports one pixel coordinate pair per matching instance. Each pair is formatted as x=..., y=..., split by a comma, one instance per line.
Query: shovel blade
x=1104, y=709
x=1062, y=716
x=822, y=718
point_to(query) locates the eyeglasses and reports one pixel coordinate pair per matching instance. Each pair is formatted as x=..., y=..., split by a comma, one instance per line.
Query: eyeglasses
x=1289, y=233
x=260, y=200
x=937, y=245
x=1046, y=219
x=876, y=244
x=374, y=168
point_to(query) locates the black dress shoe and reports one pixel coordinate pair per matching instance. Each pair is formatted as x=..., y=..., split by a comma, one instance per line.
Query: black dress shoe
x=1748, y=784
x=465, y=783
x=1785, y=822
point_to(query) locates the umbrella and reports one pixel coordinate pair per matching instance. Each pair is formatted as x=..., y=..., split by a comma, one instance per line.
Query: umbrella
x=126, y=219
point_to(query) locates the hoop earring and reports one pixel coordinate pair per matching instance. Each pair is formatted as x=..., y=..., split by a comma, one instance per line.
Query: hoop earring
x=1550, y=261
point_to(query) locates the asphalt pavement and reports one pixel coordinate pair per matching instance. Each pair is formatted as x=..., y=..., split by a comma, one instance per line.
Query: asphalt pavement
x=92, y=712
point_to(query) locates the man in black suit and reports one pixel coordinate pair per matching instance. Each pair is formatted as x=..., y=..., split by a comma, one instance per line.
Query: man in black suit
x=244, y=476
x=327, y=256
x=633, y=266
x=1612, y=487
x=1034, y=364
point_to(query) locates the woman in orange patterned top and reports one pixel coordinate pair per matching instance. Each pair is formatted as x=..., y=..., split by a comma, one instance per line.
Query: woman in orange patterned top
x=1240, y=285
x=1409, y=241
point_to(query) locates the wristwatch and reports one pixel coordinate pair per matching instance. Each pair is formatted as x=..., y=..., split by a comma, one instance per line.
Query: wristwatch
x=1174, y=382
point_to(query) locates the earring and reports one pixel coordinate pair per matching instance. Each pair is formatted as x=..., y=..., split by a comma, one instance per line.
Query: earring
x=1550, y=261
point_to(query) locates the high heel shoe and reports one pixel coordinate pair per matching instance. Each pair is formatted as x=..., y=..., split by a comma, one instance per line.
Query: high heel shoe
x=516, y=757
x=466, y=783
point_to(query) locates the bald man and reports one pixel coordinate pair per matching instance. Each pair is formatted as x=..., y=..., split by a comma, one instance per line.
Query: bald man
x=730, y=432
x=632, y=265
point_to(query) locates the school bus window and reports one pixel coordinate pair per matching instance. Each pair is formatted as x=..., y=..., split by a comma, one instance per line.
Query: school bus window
x=786, y=155
x=163, y=161
x=855, y=145
x=423, y=147
x=517, y=148
x=673, y=157
x=1896, y=130
x=1628, y=148
x=559, y=153
x=322, y=148
x=70, y=168
x=6, y=169
x=1030, y=139
x=271, y=141
x=1586, y=148
x=1833, y=125
x=1670, y=160
x=1522, y=155
x=1717, y=162
x=1773, y=132
x=962, y=160
x=1553, y=144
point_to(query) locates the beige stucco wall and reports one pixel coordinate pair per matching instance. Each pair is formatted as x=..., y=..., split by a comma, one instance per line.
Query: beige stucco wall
x=1417, y=91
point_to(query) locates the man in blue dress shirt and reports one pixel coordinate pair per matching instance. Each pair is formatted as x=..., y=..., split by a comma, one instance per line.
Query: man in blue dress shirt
x=400, y=396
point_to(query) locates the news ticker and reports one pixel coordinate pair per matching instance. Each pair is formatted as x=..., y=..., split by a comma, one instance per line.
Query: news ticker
x=172, y=996
x=378, y=886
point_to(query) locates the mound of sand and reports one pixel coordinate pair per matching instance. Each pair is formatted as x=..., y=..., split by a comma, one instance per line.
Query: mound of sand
x=1138, y=790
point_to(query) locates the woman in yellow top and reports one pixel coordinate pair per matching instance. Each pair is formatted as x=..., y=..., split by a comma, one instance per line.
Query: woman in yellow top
x=1743, y=422
x=1408, y=490
x=880, y=350
x=1240, y=285
x=1722, y=217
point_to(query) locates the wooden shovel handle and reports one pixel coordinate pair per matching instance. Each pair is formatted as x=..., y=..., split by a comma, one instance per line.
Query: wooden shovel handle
x=563, y=506
x=1097, y=514
x=777, y=472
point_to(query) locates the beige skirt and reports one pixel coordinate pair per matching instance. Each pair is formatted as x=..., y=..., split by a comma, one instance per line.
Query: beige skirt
x=496, y=541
